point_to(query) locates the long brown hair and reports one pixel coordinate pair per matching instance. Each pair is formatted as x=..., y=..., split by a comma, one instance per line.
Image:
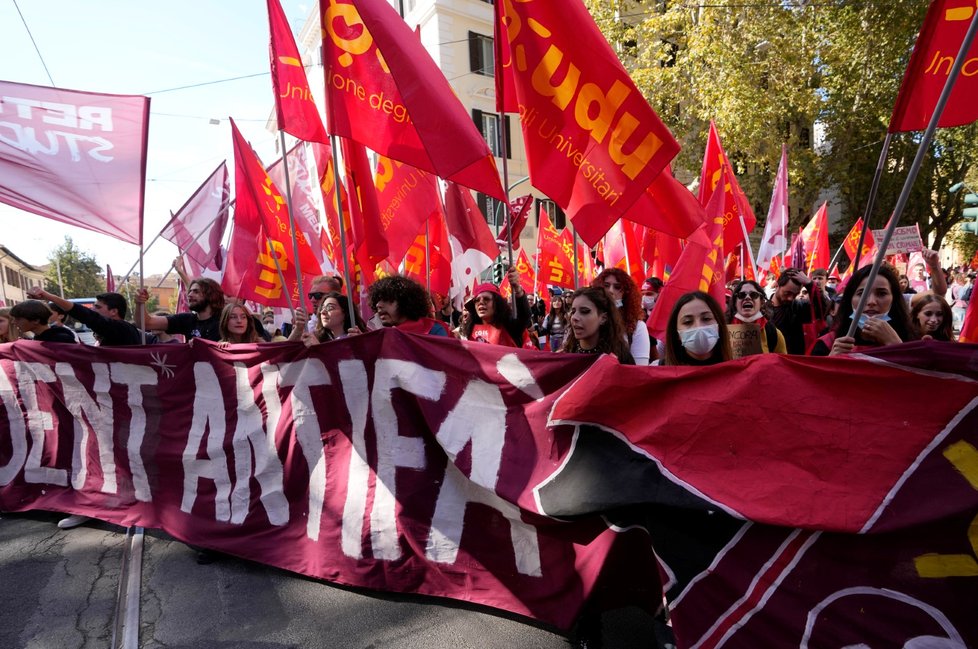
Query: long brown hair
x=251, y=333
x=918, y=302
x=676, y=353
x=611, y=334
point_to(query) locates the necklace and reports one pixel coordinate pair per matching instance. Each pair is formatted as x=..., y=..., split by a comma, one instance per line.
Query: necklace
x=580, y=350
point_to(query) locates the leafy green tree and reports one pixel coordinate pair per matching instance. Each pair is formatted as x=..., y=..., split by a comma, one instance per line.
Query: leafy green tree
x=81, y=275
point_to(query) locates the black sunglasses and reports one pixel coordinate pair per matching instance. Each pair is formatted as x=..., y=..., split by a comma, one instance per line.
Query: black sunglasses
x=316, y=297
x=743, y=295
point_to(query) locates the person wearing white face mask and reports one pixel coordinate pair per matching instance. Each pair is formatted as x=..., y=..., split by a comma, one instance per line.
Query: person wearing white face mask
x=650, y=293
x=696, y=333
x=748, y=306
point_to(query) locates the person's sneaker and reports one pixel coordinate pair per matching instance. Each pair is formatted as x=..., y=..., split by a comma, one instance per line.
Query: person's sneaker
x=73, y=521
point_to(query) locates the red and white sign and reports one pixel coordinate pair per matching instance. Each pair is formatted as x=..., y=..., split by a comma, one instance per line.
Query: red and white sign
x=905, y=239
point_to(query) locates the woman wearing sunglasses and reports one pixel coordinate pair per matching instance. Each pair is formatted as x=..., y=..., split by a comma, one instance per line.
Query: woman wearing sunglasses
x=748, y=306
x=334, y=322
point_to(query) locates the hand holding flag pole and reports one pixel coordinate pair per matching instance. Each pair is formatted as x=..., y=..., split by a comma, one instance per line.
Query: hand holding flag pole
x=914, y=170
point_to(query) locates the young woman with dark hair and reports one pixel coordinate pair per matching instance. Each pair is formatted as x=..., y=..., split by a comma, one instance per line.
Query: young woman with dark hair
x=748, y=305
x=696, y=333
x=491, y=318
x=885, y=320
x=596, y=326
x=334, y=321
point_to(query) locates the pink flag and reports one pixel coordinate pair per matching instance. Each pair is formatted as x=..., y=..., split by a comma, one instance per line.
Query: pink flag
x=307, y=196
x=109, y=280
x=774, y=240
x=75, y=157
x=197, y=227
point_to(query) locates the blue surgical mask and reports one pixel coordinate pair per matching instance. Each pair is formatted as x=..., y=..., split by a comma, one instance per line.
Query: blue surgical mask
x=863, y=319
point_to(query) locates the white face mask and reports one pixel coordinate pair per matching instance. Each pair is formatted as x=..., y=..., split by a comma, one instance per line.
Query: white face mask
x=700, y=340
x=270, y=329
x=648, y=301
x=618, y=303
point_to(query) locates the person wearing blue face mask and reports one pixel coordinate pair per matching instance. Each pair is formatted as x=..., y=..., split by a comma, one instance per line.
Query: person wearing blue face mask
x=696, y=333
x=885, y=320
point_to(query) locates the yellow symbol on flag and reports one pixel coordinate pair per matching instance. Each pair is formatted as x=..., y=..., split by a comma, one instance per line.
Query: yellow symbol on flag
x=959, y=13
x=964, y=457
x=290, y=60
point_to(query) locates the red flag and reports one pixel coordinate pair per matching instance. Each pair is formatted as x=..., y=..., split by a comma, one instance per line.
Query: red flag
x=700, y=267
x=197, y=227
x=528, y=277
x=90, y=169
x=556, y=266
x=503, y=62
x=796, y=257
x=852, y=240
x=816, y=241
x=261, y=236
x=473, y=246
x=930, y=64
x=661, y=251
x=385, y=92
x=297, y=113
x=437, y=272
x=407, y=197
x=519, y=212
x=369, y=243
x=621, y=251
x=668, y=206
x=736, y=205
x=109, y=279
x=594, y=145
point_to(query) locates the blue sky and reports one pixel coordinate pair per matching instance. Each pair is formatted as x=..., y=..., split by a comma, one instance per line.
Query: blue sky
x=134, y=47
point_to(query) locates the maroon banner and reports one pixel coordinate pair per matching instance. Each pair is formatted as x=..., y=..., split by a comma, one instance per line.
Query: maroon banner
x=508, y=478
x=75, y=157
x=388, y=460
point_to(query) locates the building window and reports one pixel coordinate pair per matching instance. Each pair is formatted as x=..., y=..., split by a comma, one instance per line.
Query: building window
x=481, y=59
x=488, y=125
x=553, y=212
x=805, y=137
x=489, y=207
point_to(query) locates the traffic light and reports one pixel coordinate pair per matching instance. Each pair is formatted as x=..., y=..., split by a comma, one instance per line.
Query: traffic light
x=497, y=274
x=970, y=214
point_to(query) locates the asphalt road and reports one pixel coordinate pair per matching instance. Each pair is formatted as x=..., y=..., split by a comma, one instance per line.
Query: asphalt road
x=59, y=591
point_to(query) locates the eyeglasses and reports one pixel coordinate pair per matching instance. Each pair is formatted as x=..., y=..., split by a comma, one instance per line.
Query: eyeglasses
x=484, y=299
x=316, y=297
x=743, y=295
x=329, y=308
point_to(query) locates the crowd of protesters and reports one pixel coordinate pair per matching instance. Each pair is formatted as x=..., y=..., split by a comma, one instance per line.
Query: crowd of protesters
x=792, y=314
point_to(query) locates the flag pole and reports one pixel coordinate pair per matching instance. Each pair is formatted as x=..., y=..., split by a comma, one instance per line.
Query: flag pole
x=196, y=238
x=914, y=170
x=427, y=258
x=746, y=244
x=871, y=203
x=334, y=141
x=139, y=260
x=574, y=231
x=288, y=204
x=743, y=260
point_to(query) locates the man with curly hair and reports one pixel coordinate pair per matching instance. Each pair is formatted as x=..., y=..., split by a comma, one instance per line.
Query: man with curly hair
x=403, y=303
